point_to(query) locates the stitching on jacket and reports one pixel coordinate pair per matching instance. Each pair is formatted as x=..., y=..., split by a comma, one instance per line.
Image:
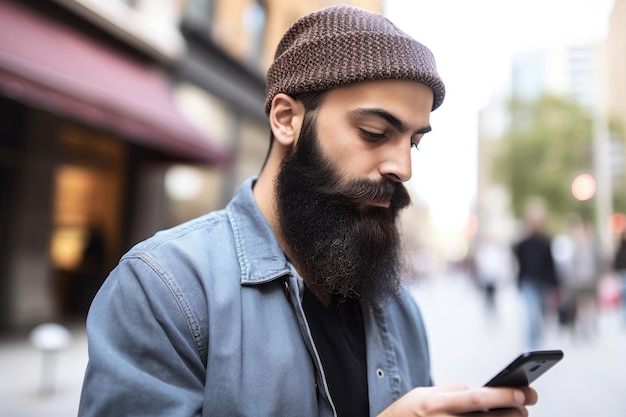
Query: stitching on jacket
x=184, y=306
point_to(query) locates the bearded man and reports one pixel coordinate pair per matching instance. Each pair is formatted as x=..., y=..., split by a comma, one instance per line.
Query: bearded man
x=289, y=302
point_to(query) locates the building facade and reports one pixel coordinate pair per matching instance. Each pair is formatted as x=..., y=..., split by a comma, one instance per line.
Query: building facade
x=615, y=63
x=591, y=74
x=117, y=119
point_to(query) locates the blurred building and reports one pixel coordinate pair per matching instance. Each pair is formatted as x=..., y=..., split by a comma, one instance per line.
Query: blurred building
x=577, y=72
x=615, y=63
x=592, y=75
x=492, y=202
x=568, y=71
x=614, y=59
x=119, y=118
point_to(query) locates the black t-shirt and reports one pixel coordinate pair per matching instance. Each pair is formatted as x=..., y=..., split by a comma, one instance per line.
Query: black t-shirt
x=340, y=341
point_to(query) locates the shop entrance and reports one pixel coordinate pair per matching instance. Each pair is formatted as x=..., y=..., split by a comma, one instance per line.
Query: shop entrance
x=89, y=190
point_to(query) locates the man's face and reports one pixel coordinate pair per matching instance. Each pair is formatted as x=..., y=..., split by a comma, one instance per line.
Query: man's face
x=339, y=192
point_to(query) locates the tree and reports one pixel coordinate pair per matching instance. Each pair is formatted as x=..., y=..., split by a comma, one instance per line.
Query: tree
x=548, y=143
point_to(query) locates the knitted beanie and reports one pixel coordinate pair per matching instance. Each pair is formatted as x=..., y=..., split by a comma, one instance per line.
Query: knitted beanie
x=340, y=45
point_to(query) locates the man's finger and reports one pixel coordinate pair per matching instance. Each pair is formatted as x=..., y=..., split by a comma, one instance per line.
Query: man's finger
x=482, y=399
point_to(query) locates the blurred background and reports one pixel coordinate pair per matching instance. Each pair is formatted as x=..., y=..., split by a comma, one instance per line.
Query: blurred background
x=123, y=117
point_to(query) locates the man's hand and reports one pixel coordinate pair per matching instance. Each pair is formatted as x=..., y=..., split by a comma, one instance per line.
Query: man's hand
x=459, y=400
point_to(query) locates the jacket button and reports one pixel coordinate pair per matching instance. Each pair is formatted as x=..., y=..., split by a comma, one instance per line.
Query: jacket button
x=379, y=373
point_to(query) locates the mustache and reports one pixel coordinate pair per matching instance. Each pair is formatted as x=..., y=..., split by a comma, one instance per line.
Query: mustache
x=362, y=191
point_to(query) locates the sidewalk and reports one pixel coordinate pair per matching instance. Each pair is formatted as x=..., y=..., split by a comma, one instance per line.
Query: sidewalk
x=21, y=378
x=469, y=344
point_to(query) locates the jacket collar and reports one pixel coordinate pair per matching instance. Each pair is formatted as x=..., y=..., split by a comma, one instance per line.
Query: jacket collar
x=260, y=257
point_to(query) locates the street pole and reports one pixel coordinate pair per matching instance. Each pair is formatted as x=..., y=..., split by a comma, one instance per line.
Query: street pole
x=602, y=159
x=604, y=183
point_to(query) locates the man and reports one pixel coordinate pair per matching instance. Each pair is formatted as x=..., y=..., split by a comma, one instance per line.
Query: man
x=288, y=302
x=536, y=277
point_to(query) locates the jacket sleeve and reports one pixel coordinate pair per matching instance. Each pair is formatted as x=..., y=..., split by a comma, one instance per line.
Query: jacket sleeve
x=143, y=358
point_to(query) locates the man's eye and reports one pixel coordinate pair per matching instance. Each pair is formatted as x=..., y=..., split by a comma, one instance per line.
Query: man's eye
x=415, y=145
x=372, y=136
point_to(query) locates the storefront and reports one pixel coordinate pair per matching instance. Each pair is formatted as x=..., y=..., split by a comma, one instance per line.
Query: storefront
x=89, y=135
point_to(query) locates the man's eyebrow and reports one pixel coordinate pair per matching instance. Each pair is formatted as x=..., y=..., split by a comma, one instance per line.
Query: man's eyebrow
x=388, y=117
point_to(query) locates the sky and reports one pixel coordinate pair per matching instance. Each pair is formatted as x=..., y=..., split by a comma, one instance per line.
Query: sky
x=473, y=42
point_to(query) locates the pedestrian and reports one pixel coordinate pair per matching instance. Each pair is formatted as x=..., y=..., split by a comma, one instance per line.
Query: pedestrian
x=582, y=281
x=536, y=277
x=289, y=301
x=492, y=261
x=619, y=265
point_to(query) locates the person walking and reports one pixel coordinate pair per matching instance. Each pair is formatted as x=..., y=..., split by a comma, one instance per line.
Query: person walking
x=582, y=282
x=619, y=265
x=492, y=261
x=289, y=302
x=536, y=278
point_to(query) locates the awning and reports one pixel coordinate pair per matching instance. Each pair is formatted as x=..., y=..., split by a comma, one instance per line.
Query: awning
x=51, y=66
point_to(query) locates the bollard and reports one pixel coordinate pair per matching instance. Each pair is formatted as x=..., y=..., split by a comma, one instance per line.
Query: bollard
x=50, y=339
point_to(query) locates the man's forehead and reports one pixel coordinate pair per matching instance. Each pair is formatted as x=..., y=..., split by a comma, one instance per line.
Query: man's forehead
x=409, y=102
x=382, y=89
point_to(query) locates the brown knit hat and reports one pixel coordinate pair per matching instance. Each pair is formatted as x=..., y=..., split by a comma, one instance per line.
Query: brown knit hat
x=341, y=45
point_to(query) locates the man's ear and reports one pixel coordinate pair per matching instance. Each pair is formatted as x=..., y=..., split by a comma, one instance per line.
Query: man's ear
x=286, y=116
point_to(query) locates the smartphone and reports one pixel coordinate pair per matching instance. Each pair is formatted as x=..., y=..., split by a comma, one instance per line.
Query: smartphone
x=526, y=368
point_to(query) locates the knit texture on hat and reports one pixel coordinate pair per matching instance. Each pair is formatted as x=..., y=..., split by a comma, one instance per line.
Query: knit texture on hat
x=341, y=45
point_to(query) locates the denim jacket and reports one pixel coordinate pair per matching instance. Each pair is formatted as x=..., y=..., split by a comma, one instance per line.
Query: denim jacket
x=206, y=319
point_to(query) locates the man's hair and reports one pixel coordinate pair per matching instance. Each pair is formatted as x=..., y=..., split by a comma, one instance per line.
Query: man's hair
x=342, y=45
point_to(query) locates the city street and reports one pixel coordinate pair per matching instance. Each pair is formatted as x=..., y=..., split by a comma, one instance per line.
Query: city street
x=469, y=344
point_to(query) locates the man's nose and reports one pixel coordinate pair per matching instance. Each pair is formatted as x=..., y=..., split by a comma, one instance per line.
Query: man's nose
x=396, y=164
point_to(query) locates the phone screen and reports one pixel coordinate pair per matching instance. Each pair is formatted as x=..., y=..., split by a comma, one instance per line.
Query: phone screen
x=526, y=368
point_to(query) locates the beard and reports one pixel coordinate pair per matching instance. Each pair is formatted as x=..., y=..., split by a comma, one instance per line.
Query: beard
x=339, y=242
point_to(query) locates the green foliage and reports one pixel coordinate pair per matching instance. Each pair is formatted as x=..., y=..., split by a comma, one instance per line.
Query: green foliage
x=548, y=144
